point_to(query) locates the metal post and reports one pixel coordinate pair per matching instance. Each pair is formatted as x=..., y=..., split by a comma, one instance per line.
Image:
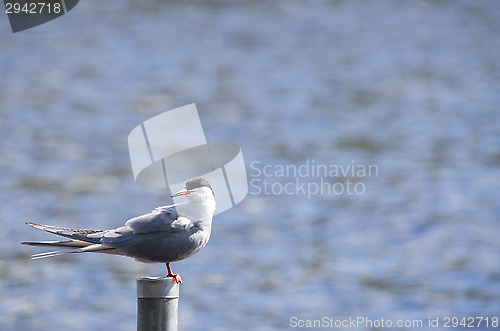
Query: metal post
x=157, y=303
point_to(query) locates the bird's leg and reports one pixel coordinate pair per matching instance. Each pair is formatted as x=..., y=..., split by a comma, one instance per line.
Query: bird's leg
x=175, y=278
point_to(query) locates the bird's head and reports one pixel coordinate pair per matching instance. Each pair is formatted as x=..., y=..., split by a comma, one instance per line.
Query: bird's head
x=197, y=190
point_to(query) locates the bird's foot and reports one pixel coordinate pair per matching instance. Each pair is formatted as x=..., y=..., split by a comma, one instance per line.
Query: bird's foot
x=176, y=278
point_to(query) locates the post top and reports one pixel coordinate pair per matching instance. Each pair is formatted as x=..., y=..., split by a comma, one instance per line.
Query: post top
x=157, y=288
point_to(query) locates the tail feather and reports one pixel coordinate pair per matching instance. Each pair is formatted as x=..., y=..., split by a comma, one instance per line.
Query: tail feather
x=46, y=254
x=91, y=236
x=82, y=240
x=97, y=248
x=55, y=243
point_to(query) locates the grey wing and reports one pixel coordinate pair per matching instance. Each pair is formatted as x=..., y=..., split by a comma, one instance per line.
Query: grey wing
x=154, y=237
x=160, y=219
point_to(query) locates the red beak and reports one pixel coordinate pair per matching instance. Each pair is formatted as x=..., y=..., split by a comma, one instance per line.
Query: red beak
x=184, y=191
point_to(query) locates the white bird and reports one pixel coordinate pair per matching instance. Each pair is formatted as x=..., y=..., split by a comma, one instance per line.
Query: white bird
x=167, y=234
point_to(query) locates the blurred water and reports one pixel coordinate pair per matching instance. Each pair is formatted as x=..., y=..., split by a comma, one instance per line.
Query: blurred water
x=413, y=87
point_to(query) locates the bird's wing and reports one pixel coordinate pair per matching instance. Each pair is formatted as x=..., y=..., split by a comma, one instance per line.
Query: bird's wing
x=159, y=236
x=162, y=219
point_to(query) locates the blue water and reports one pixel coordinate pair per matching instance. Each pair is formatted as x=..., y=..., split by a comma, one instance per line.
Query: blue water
x=411, y=87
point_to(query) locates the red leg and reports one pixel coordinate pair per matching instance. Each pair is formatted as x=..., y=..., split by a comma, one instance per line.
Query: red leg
x=175, y=278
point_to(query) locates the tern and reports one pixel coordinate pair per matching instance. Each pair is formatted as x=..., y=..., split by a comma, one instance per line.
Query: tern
x=167, y=234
